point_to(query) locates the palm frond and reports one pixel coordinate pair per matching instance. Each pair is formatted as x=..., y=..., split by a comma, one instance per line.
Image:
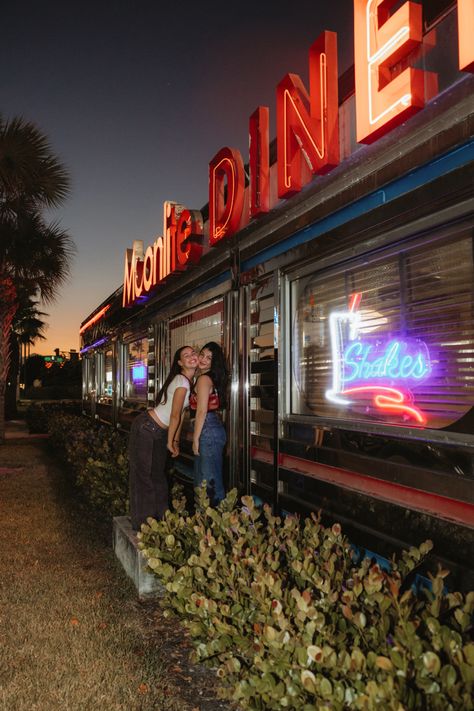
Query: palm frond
x=39, y=256
x=30, y=174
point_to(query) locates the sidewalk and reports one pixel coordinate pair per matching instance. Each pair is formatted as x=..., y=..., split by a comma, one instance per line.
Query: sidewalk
x=17, y=429
x=73, y=635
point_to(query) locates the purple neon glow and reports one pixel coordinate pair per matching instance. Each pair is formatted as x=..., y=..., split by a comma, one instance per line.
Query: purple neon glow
x=373, y=366
x=93, y=345
x=138, y=373
x=397, y=360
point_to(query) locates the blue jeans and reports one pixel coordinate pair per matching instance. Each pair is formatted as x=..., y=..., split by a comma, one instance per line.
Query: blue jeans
x=208, y=465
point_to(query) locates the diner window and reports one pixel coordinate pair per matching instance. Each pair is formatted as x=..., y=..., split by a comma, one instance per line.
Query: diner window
x=136, y=369
x=389, y=339
x=107, y=375
x=88, y=377
x=197, y=327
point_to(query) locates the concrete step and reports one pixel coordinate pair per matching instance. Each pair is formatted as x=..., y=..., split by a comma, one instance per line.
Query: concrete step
x=133, y=561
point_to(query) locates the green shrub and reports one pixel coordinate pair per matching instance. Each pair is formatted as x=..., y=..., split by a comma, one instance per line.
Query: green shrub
x=96, y=458
x=292, y=622
x=54, y=392
x=37, y=415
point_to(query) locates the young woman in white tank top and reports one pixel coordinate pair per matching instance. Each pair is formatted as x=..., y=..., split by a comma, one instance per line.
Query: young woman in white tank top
x=152, y=435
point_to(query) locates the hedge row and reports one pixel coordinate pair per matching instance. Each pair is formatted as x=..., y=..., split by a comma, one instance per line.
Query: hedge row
x=281, y=607
x=96, y=458
x=291, y=621
x=37, y=415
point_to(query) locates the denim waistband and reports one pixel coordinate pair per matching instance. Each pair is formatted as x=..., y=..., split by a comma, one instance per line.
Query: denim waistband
x=213, y=418
x=150, y=414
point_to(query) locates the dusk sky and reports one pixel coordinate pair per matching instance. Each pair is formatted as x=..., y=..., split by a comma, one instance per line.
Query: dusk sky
x=136, y=98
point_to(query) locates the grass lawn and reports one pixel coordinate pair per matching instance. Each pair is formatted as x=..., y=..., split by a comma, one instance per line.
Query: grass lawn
x=73, y=636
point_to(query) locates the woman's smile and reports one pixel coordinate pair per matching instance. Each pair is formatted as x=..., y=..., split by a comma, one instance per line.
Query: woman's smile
x=205, y=359
x=189, y=358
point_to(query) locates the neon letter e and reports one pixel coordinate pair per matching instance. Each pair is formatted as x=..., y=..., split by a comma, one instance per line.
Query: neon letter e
x=381, y=40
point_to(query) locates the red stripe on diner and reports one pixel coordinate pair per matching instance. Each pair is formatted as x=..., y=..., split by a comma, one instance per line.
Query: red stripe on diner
x=452, y=509
x=197, y=315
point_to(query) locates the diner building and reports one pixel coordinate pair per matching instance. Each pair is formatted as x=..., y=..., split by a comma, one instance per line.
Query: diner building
x=335, y=265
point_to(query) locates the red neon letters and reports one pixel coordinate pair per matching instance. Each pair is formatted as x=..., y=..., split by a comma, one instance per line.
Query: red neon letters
x=225, y=210
x=388, y=91
x=183, y=229
x=259, y=161
x=94, y=318
x=315, y=134
x=189, y=238
x=181, y=246
x=381, y=41
x=465, y=32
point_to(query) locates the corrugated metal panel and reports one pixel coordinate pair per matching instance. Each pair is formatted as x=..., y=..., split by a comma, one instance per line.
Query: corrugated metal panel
x=262, y=381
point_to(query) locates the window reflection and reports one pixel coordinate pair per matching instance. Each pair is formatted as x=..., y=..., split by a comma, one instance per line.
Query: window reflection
x=407, y=348
x=136, y=370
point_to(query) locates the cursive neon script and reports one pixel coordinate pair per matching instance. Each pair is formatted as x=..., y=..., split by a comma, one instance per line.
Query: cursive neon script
x=397, y=361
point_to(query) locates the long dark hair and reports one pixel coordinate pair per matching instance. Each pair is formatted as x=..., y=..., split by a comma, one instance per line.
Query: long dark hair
x=176, y=369
x=218, y=371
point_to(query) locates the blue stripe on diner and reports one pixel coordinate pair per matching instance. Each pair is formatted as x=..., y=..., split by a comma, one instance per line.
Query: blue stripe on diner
x=213, y=282
x=414, y=179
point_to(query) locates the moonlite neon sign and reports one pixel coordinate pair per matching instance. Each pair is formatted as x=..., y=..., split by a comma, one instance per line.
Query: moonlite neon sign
x=381, y=370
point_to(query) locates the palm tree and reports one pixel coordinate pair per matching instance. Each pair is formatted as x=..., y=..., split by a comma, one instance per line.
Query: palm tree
x=28, y=326
x=30, y=174
x=34, y=256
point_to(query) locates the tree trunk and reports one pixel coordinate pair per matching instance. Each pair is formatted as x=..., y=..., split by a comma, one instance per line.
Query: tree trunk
x=8, y=308
x=11, y=390
x=2, y=413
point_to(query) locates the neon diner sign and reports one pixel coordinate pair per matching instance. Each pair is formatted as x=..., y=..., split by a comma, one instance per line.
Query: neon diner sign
x=179, y=247
x=398, y=361
x=383, y=371
x=307, y=128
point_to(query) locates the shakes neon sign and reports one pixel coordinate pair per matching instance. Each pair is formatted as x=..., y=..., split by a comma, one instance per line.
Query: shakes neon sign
x=307, y=132
x=385, y=372
x=398, y=360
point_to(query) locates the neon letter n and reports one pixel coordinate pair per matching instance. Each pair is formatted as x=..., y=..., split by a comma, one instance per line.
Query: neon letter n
x=313, y=133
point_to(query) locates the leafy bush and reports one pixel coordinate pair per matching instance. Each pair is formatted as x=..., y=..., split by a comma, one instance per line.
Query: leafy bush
x=97, y=461
x=37, y=415
x=293, y=622
x=53, y=392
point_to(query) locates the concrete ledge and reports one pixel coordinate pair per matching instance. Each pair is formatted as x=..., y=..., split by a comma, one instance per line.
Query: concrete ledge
x=133, y=560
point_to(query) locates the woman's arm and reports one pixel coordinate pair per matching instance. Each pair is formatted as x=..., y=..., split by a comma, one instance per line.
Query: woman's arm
x=174, y=430
x=203, y=390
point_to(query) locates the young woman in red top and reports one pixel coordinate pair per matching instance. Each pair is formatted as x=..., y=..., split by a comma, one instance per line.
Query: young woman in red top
x=207, y=398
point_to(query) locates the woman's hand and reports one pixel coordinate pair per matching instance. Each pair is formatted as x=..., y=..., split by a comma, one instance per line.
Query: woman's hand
x=176, y=421
x=203, y=390
x=173, y=448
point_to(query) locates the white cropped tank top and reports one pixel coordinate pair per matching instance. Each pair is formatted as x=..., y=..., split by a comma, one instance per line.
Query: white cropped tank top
x=163, y=411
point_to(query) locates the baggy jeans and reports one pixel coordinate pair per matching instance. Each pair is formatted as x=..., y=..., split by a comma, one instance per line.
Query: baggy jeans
x=208, y=464
x=148, y=485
